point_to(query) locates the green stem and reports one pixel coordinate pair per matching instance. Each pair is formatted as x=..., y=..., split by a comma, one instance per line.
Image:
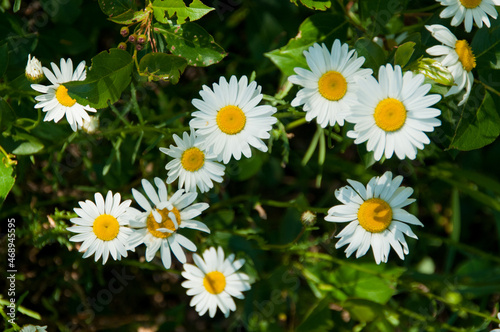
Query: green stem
x=295, y=124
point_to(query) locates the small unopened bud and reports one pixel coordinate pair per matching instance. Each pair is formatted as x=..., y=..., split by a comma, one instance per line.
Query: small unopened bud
x=308, y=218
x=142, y=39
x=91, y=126
x=124, y=31
x=132, y=38
x=139, y=47
x=435, y=71
x=34, y=72
x=122, y=46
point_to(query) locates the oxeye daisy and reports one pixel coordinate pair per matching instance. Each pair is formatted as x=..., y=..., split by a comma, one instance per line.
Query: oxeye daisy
x=375, y=217
x=457, y=56
x=229, y=121
x=191, y=165
x=394, y=113
x=214, y=282
x=158, y=226
x=55, y=100
x=34, y=71
x=102, y=226
x=329, y=88
x=470, y=10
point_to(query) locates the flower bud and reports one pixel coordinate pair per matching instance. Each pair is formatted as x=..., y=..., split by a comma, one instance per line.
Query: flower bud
x=435, y=71
x=308, y=218
x=142, y=39
x=124, y=31
x=122, y=46
x=90, y=127
x=132, y=38
x=139, y=47
x=34, y=72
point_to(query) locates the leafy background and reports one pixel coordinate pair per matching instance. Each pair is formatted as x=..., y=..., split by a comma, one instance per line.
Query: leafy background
x=450, y=281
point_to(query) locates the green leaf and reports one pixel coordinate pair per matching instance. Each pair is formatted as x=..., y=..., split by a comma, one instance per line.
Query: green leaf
x=247, y=167
x=193, y=43
x=108, y=76
x=31, y=146
x=373, y=53
x=479, y=123
x=131, y=17
x=7, y=176
x=4, y=58
x=162, y=66
x=115, y=7
x=165, y=9
x=315, y=4
x=363, y=310
x=317, y=28
x=365, y=285
x=17, y=6
x=404, y=53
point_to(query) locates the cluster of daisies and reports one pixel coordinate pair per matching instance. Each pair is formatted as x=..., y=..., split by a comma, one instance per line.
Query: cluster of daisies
x=228, y=123
x=391, y=113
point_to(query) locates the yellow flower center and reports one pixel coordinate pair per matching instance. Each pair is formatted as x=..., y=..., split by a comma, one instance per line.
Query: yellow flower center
x=332, y=85
x=166, y=222
x=63, y=98
x=375, y=215
x=214, y=282
x=470, y=4
x=390, y=114
x=231, y=119
x=106, y=227
x=192, y=159
x=465, y=55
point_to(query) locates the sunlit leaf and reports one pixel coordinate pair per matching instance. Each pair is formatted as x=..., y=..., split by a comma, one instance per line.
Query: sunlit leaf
x=162, y=66
x=107, y=77
x=166, y=9
x=193, y=43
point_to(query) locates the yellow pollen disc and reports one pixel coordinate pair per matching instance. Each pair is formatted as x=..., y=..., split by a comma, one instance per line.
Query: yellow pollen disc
x=471, y=4
x=166, y=222
x=63, y=98
x=231, y=119
x=192, y=159
x=465, y=55
x=214, y=282
x=106, y=227
x=375, y=215
x=332, y=85
x=390, y=114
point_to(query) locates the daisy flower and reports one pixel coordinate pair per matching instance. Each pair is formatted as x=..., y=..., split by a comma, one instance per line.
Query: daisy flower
x=56, y=100
x=157, y=227
x=394, y=114
x=214, y=282
x=375, y=217
x=331, y=84
x=191, y=165
x=102, y=226
x=229, y=121
x=34, y=72
x=457, y=56
x=470, y=10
